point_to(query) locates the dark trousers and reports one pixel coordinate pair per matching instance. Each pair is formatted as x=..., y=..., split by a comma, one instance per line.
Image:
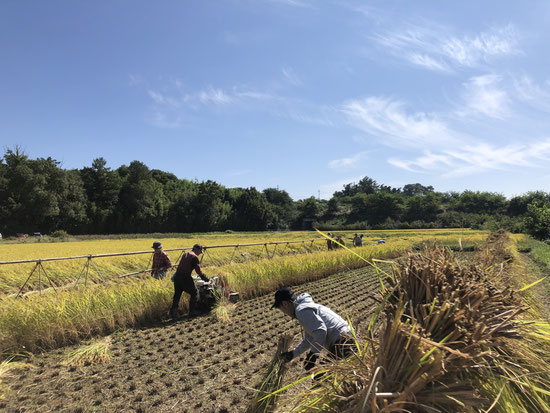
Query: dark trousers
x=343, y=348
x=184, y=282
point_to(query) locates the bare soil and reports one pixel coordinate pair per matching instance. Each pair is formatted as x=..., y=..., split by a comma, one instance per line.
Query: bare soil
x=194, y=365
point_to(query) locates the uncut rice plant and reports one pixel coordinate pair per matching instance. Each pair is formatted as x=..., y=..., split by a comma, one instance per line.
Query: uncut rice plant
x=451, y=338
x=12, y=277
x=51, y=320
x=42, y=322
x=68, y=316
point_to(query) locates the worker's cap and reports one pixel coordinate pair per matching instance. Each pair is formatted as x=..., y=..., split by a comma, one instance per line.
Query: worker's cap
x=157, y=244
x=198, y=247
x=283, y=294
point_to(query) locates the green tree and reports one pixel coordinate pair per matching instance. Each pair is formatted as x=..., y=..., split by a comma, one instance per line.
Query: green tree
x=410, y=190
x=102, y=187
x=308, y=213
x=283, y=207
x=481, y=203
x=141, y=203
x=252, y=212
x=518, y=204
x=40, y=196
x=376, y=208
x=210, y=210
x=422, y=208
x=537, y=220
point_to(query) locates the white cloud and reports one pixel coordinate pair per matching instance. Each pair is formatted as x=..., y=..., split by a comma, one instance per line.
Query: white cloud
x=428, y=62
x=532, y=93
x=426, y=162
x=215, y=96
x=476, y=158
x=468, y=51
x=483, y=96
x=388, y=121
x=293, y=3
x=434, y=49
x=255, y=95
x=350, y=162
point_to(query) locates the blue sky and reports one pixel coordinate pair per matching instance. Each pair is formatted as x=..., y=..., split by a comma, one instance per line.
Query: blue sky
x=297, y=94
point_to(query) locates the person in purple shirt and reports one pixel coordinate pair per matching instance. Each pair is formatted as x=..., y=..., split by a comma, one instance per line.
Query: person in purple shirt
x=183, y=281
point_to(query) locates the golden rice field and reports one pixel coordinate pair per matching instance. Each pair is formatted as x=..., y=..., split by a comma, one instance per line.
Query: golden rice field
x=41, y=321
x=13, y=276
x=163, y=364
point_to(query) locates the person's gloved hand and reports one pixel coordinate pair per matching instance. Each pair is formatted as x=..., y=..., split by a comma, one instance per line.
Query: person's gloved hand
x=287, y=356
x=310, y=360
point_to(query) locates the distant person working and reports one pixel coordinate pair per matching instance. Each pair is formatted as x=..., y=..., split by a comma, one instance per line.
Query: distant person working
x=183, y=281
x=329, y=242
x=161, y=262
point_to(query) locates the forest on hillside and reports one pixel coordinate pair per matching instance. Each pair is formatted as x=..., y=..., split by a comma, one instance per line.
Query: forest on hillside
x=39, y=195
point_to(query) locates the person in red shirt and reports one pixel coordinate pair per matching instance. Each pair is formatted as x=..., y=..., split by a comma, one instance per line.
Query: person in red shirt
x=161, y=262
x=183, y=281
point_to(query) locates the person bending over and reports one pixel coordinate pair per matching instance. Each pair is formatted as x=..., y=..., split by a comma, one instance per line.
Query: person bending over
x=323, y=328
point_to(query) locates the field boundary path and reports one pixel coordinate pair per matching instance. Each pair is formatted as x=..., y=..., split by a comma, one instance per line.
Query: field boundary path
x=194, y=365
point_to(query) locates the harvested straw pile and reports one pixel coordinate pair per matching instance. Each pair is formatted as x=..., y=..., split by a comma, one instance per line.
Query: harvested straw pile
x=264, y=400
x=450, y=340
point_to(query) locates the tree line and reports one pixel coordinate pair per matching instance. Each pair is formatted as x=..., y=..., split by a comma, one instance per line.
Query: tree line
x=39, y=195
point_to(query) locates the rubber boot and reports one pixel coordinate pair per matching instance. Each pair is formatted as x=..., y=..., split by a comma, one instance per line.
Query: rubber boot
x=174, y=314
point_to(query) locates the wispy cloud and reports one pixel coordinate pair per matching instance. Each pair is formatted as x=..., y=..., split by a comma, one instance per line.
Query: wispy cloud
x=428, y=62
x=174, y=100
x=164, y=120
x=434, y=49
x=135, y=79
x=291, y=76
x=388, y=121
x=351, y=162
x=163, y=100
x=533, y=94
x=468, y=51
x=294, y=3
x=472, y=159
x=483, y=96
x=212, y=95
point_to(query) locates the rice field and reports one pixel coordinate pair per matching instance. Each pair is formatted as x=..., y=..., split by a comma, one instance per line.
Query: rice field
x=66, y=272
x=212, y=362
x=161, y=365
x=60, y=317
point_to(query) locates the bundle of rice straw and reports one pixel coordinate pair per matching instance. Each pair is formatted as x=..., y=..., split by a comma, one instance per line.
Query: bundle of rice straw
x=264, y=400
